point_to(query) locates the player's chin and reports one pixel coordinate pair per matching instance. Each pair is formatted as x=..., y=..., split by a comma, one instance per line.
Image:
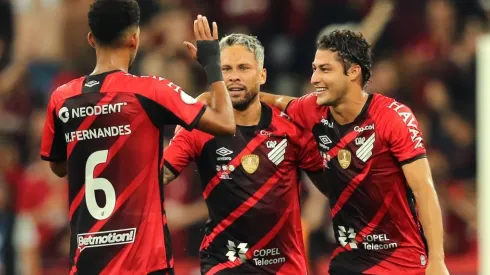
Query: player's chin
x=323, y=99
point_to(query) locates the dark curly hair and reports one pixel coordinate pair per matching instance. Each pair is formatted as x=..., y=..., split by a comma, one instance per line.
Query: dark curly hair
x=109, y=19
x=351, y=47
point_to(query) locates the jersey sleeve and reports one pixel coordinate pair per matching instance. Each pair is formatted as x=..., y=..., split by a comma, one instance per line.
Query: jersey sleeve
x=171, y=105
x=404, y=136
x=181, y=150
x=300, y=110
x=53, y=144
x=309, y=157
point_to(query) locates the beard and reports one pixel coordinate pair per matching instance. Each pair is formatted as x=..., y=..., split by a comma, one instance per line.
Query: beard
x=242, y=103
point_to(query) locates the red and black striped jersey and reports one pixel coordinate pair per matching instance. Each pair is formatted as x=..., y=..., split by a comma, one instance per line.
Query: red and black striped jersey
x=373, y=208
x=109, y=130
x=251, y=186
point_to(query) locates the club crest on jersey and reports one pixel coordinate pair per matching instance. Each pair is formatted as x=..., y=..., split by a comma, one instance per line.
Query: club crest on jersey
x=250, y=163
x=365, y=151
x=277, y=154
x=344, y=157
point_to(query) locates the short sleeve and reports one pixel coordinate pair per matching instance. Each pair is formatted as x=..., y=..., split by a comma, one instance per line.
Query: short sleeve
x=53, y=144
x=404, y=136
x=301, y=109
x=180, y=152
x=309, y=157
x=170, y=105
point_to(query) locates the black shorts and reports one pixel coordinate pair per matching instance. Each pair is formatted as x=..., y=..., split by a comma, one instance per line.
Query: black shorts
x=168, y=271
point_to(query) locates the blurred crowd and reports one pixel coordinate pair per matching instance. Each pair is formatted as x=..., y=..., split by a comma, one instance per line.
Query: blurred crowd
x=424, y=56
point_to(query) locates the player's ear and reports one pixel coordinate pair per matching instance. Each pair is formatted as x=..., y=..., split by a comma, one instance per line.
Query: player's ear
x=91, y=39
x=134, y=39
x=263, y=76
x=354, y=72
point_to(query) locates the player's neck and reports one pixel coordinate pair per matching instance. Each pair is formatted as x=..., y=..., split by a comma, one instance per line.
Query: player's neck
x=351, y=106
x=111, y=60
x=250, y=116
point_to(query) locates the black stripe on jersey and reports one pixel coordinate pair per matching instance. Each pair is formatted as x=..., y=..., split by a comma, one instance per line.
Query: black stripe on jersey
x=93, y=83
x=166, y=232
x=410, y=160
x=171, y=168
x=160, y=116
x=163, y=272
x=231, y=194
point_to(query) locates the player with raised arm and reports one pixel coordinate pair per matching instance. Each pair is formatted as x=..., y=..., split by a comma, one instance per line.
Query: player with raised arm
x=105, y=132
x=250, y=182
x=380, y=187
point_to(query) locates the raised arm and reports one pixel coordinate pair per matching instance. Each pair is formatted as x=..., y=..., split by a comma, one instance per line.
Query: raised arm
x=217, y=119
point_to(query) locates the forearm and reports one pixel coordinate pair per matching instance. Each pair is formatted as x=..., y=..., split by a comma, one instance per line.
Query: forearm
x=431, y=219
x=375, y=22
x=278, y=101
x=198, y=210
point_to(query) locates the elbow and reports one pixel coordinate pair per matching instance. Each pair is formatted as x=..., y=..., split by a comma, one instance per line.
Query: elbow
x=60, y=173
x=59, y=169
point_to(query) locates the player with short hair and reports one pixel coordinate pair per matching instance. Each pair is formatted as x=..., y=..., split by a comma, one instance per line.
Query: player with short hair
x=250, y=182
x=379, y=181
x=105, y=132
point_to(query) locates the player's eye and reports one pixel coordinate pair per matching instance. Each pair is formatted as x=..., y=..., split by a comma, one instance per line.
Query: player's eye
x=243, y=68
x=225, y=69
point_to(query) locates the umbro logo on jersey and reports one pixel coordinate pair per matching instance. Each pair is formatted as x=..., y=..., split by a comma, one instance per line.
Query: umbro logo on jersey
x=276, y=155
x=233, y=250
x=224, y=152
x=325, y=139
x=92, y=83
x=366, y=150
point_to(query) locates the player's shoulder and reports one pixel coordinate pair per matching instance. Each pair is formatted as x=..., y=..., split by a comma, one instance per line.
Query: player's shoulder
x=284, y=125
x=135, y=83
x=67, y=90
x=388, y=108
x=309, y=101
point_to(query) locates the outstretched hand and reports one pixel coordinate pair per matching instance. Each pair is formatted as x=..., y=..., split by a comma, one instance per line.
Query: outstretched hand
x=202, y=32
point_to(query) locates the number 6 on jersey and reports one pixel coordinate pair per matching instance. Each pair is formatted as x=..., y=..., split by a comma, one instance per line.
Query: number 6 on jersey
x=92, y=184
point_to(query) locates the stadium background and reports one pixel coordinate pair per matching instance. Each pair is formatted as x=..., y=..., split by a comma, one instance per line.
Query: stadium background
x=424, y=53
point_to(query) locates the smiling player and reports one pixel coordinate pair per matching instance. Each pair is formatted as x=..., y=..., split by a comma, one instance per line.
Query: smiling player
x=380, y=187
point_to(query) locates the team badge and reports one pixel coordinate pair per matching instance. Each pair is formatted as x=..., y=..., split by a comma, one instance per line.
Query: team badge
x=344, y=158
x=250, y=163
